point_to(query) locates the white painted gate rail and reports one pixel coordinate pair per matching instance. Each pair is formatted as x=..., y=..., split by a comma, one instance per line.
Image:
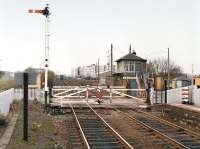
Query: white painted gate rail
x=66, y=94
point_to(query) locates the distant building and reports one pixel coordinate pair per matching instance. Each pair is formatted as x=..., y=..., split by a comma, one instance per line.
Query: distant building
x=103, y=77
x=61, y=77
x=35, y=80
x=131, y=70
x=84, y=71
x=181, y=81
x=6, y=75
x=90, y=71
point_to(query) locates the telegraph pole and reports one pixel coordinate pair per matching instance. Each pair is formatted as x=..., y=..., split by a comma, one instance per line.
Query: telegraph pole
x=109, y=67
x=25, y=107
x=168, y=69
x=98, y=71
x=46, y=13
x=191, y=102
x=111, y=55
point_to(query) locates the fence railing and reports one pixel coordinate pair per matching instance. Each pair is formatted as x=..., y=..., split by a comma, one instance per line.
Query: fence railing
x=32, y=94
x=174, y=96
x=6, y=98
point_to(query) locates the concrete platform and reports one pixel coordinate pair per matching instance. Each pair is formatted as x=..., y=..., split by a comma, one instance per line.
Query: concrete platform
x=187, y=107
x=5, y=139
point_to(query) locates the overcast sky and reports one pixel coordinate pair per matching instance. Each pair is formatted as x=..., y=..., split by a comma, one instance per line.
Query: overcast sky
x=82, y=30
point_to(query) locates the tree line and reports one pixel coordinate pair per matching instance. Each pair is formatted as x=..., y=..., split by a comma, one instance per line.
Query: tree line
x=159, y=67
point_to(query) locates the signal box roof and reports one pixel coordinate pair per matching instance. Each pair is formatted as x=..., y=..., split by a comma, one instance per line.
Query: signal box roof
x=131, y=57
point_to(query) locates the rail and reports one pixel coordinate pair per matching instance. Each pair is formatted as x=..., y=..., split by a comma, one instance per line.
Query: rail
x=120, y=138
x=86, y=144
x=177, y=136
x=171, y=124
x=89, y=121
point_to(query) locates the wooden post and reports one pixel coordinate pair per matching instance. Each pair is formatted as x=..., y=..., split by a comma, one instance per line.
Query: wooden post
x=25, y=127
x=98, y=71
x=148, y=95
x=111, y=55
x=165, y=83
x=168, y=69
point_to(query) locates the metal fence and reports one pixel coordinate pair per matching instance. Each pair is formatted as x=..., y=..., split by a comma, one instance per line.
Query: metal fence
x=196, y=96
x=6, y=98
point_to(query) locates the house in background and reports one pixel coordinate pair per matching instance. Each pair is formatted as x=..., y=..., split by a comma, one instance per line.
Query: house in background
x=181, y=81
x=90, y=71
x=35, y=78
x=131, y=70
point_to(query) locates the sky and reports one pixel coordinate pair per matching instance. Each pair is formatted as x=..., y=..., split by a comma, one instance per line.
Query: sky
x=81, y=31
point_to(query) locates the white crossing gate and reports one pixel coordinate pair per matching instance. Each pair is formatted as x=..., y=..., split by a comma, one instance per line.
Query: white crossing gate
x=67, y=94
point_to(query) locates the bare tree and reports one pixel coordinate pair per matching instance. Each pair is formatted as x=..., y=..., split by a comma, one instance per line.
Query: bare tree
x=159, y=67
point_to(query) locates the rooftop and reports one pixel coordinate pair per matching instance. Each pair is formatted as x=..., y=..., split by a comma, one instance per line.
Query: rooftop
x=131, y=56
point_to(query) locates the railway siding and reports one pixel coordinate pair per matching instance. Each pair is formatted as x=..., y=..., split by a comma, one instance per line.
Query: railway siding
x=180, y=135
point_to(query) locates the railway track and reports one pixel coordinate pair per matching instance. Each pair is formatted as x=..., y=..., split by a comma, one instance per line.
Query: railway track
x=180, y=136
x=95, y=132
x=73, y=135
x=140, y=136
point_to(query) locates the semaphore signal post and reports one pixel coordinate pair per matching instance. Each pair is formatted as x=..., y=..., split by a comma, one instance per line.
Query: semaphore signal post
x=46, y=13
